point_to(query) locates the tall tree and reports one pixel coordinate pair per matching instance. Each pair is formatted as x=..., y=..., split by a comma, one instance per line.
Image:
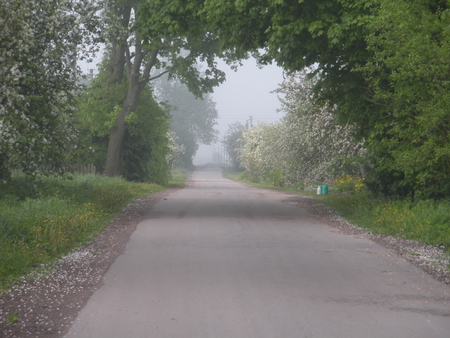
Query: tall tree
x=192, y=119
x=146, y=142
x=39, y=44
x=147, y=39
x=409, y=76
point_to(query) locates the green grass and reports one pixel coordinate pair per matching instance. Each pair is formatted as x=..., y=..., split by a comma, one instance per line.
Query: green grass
x=426, y=221
x=12, y=319
x=178, y=178
x=41, y=221
x=239, y=176
x=232, y=174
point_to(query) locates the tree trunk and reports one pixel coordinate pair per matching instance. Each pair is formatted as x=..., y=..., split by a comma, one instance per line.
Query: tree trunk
x=122, y=59
x=113, y=166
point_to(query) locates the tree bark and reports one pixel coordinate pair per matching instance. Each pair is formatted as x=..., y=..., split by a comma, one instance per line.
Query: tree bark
x=123, y=62
x=113, y=166
x=136, y=83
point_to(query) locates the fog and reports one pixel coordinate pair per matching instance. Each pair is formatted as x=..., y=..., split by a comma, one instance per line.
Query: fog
x=244, y=96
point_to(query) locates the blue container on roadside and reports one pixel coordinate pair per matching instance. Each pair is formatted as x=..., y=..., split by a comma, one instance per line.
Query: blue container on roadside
x=324, y=189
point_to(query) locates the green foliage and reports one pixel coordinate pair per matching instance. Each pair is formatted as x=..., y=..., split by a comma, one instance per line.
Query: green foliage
x=381, y=65
x=410, y=42
x=145, y=143
x=276, y=178
x=12, y=318
x=348, y=183
x=99, y=104
x=98, y=108
x=329, y=35
x=147, y=39
x=175, y=30
x=233, y=143
x=249, y=176
x=41, y=222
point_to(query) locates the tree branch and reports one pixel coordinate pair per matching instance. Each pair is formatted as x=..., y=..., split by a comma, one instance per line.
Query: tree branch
x=148, y=67
x=128, y=61
x=158, y=76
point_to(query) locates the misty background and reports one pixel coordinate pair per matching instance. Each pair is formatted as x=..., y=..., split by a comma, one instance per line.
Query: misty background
x=244, y=96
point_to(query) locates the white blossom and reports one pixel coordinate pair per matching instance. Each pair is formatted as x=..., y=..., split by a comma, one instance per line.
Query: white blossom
x=38, y=77
x=307, y=144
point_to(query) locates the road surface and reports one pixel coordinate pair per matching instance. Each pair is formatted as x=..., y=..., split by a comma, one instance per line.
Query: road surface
x=220, y=259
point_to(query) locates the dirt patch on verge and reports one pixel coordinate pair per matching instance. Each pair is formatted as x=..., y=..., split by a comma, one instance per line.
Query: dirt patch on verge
x=47, y=304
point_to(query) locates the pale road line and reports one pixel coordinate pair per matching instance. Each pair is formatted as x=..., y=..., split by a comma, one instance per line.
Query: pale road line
x=219, y=259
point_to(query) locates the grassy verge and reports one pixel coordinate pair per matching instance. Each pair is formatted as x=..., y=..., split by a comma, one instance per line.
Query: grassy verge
x=425, y=221
x=41, y=221
x=178, y=178
x=232, y=174
x=240, y=176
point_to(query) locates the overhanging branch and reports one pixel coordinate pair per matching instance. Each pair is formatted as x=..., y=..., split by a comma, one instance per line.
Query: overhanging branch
x=158, y=76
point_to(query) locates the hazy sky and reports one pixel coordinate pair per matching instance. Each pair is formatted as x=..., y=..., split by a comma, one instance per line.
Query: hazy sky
x=245, y=93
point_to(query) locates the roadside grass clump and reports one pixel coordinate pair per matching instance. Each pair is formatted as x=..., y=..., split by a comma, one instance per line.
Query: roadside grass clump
x=426, y=221
x=42, y=220
x=12, y=318
x=231, y=173
x=178, y=178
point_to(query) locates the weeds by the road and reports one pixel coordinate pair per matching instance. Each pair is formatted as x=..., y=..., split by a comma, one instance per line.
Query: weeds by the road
x=40, y=221
x=425, y=221
x=178, y=178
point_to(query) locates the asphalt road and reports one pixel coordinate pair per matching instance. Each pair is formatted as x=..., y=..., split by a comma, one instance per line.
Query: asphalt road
x=219, y=259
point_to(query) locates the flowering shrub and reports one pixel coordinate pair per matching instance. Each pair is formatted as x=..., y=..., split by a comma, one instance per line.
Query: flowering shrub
x=38, y=80
x=349, y=183
x=176, y=150
x=306, y=144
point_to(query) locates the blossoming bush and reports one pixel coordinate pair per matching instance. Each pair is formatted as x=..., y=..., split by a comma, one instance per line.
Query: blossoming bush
x=307, y=143
x=39, y=45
